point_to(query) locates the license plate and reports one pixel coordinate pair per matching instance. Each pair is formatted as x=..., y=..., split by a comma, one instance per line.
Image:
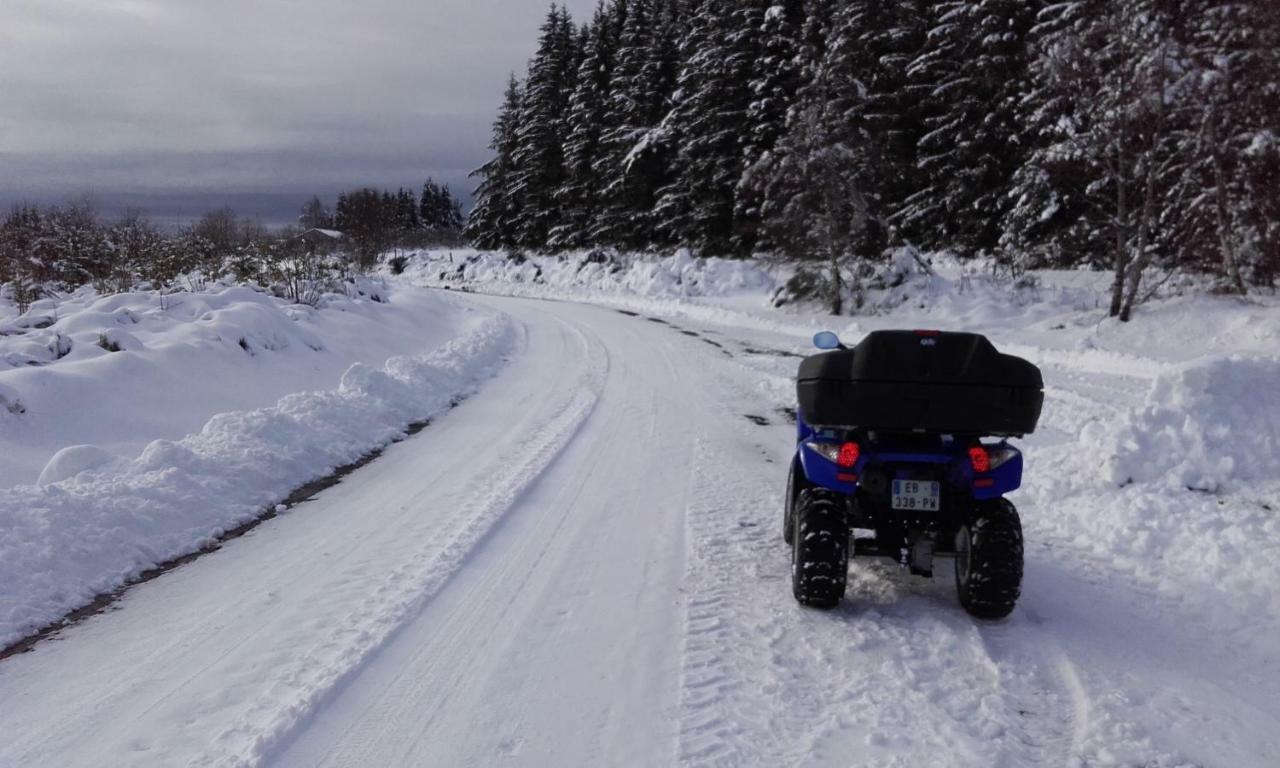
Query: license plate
x=917, y=495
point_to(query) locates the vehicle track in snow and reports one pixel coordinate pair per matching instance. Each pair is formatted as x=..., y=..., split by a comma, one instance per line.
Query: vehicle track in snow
x=1037, y=705
x=766, y=682
x=1044, y=687
x=557, y=612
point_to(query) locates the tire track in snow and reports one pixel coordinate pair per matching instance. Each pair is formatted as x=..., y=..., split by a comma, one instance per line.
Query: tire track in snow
x=1041, y=682
x=463, y=629
x=565, y=589
x=766, y=682
x=312, y=675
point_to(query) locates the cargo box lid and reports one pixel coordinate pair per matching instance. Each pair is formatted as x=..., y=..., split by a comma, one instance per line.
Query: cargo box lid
x=923, y=357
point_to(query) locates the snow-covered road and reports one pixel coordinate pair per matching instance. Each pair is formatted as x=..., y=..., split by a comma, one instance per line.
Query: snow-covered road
x=581, y=565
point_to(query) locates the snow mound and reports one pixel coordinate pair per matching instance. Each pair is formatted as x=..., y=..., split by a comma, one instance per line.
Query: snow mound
x=1204, y=426
x=85, y=532
x=71, y=461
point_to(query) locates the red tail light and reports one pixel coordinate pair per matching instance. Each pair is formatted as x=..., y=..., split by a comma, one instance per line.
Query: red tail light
x=980, y=459
x=848, y=456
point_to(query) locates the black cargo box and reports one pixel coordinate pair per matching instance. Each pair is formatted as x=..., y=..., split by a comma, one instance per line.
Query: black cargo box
x=954, y=383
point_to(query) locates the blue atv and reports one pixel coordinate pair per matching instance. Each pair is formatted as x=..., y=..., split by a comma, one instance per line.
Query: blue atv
x=902, y=452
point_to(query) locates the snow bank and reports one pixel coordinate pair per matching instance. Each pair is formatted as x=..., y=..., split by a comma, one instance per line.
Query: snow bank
x=65, y=542
x=1177, y=491
x=120, y=371
x=1204, y=426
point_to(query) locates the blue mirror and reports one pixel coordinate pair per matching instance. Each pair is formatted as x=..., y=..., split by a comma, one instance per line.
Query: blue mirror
x=827, y=340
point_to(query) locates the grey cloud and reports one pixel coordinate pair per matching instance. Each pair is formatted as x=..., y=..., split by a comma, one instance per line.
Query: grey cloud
x=255, y=96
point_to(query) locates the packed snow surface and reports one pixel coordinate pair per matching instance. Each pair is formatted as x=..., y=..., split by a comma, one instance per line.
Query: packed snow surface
x=581, y=564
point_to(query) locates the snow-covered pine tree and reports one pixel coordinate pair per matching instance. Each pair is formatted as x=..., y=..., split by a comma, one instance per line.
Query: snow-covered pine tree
x=429, y=205
x=813, y=184
x=407, y=219
x=539, y=155
x=492, y=223
x=772, y=87
x=632, y=163
x=884, y=38
x=760, y=177
x=578, y=194
x=1051, y=219
x=439, y=211
x=1229, y=129
x=705, y=124
x=451, y=218
x=969, y=75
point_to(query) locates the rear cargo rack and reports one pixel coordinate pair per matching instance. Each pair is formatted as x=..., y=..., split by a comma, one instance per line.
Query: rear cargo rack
x=929, y=381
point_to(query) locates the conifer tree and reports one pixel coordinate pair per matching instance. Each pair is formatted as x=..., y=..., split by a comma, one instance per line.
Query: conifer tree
x=882, y=38
x=815, y=184
x=697, y=207
x=406, y=211
x=1228, y=133
x=1051, y=220
x=774, y=81
x=972, y=71
x=451, y=218
x=577, y=195
x=494, y=216
x=539, y=154
x=632, y=163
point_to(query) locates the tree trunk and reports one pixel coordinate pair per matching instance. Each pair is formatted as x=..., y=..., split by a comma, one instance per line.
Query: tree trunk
x=1148, y=203
x=1140, y=260
x=1226, y=238
x=1121, y=254
x=837, y=290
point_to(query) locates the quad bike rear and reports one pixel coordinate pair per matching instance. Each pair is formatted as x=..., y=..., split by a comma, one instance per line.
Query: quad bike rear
x=902, y=452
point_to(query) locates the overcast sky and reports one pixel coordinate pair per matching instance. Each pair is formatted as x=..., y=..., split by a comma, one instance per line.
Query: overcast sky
x=196, y=99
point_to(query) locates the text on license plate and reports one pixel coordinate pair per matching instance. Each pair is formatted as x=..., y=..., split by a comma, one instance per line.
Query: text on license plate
x=917, y=495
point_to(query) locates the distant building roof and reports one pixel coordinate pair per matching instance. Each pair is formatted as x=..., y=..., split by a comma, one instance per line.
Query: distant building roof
x=332, y=234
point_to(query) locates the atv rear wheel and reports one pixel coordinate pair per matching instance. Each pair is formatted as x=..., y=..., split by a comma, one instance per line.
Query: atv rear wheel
x=989, y=560
x=820, y=548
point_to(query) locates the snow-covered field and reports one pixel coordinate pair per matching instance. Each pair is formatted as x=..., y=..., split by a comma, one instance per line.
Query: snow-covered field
x=581, y=564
